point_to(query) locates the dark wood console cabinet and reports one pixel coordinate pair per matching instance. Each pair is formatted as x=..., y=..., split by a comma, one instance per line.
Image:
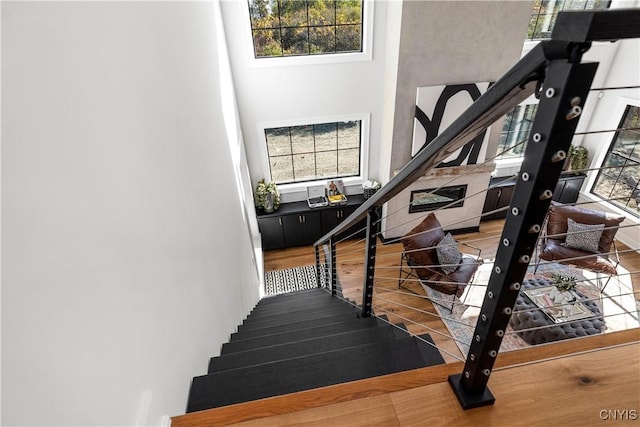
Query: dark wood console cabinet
x=296, y=224
x=566, y=191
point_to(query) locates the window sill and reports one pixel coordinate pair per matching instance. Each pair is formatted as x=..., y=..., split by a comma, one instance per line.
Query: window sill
x=320, y=59
x=507, y=167
x=297, y=192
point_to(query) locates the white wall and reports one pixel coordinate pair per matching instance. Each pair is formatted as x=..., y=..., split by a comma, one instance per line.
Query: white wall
x=272, y=94
x=126, y=261
x=449, y=42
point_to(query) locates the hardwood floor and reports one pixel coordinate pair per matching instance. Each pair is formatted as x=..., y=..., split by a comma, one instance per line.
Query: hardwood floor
x=565, y=386
x=410, y=306
x=566, y=392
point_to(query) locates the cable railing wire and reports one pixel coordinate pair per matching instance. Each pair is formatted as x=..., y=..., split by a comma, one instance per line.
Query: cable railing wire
x=470, y=170
x=455, y=356
x=346, y=250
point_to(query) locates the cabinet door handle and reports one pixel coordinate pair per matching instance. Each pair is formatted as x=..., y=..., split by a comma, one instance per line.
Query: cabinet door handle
x=499, y=193
x=280, y=220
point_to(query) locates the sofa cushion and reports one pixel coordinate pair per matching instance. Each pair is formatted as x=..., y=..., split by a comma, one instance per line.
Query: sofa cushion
x=583, y=236
x=448, y=254
x=553, y=250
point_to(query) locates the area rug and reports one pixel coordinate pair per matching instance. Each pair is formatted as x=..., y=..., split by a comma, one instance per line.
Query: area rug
x=462, y=319
x=291, y=280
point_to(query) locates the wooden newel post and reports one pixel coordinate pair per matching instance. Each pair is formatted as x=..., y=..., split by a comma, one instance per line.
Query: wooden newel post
x=373, y=217
x=562, y=97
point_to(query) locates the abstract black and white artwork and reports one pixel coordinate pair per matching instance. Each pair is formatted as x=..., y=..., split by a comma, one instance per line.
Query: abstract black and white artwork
x=436, y=108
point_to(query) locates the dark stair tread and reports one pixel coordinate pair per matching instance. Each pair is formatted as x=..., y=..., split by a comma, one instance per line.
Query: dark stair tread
x=297, y=316
x=292, y=296
x=303, y=347
x=252, y=332
x=320, y=301
x=303, y=373
x=299, y=334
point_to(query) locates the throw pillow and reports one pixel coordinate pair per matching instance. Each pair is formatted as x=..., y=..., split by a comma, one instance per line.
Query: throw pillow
x=583, y=236
x=448, y=254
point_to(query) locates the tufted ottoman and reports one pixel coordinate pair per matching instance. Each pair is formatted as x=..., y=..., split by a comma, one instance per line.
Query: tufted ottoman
x=533, y=326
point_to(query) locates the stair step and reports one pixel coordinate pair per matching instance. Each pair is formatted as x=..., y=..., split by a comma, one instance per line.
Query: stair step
x=299, y=334
x=249, y=332
x=297, y=316
x=319, y=301
x=303, y=348
x=292, y=296
x=313, y=371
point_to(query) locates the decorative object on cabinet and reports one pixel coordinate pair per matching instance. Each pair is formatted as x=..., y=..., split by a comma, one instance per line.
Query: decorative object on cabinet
x=579, y=156
x=267, y=196
x=369, y=188
x=316, y=196
x=335, y=192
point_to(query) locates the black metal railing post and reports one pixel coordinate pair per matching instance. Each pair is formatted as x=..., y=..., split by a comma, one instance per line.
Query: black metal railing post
x=563, y=94
x=373, y=217
x=333, y=266
x=318, y=275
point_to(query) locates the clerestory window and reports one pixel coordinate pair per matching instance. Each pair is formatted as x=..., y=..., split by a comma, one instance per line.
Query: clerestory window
x=545, y=12
x=283, y=28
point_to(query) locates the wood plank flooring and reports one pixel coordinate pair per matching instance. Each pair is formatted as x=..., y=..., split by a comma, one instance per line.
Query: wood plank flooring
x=567, y=391
x=409, y=306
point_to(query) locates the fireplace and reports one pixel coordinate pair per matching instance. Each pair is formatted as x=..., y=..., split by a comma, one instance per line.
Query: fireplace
x=462, y=189
x=437, y=198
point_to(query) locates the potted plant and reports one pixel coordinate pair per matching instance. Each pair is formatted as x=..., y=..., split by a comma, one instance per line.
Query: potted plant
x=267, y=196
x=563, y=282
x=579, y=156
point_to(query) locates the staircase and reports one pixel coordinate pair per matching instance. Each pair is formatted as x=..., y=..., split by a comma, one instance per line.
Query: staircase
x=304, y=340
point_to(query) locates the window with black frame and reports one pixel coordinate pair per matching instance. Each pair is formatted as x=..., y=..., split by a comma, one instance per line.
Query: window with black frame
x=619, y=177
x=545, y=12
x=283, y=28
x=516, y=130
x=314, y=151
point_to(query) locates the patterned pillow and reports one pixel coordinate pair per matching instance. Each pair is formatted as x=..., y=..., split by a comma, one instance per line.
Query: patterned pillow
x=448, y=253
x=583, y=236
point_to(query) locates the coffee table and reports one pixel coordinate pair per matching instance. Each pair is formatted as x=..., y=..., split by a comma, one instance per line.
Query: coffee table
x=541, y=315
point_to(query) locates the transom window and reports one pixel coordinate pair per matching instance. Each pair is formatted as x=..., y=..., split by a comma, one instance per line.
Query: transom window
x=312, y=27
x=516, y=130
x=315, y=151
x=619, y=178
x=545, y=12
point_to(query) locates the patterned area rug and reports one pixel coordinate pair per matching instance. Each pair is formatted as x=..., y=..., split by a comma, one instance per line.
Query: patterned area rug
x=290, y=280
x=462, y=320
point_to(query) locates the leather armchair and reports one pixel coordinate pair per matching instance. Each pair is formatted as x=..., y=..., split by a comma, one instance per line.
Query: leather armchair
x=554, y=246
x=421, y=257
